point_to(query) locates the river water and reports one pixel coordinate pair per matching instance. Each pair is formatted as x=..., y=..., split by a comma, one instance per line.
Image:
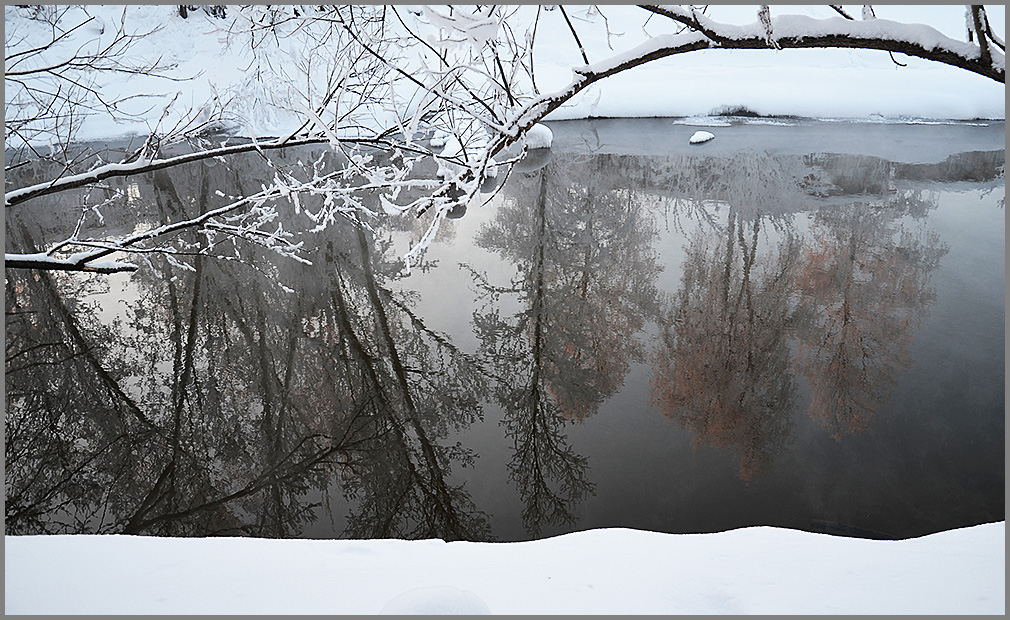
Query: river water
x=797, y=324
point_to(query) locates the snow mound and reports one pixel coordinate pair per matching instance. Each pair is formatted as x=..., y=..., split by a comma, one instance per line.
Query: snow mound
x=701, y=137
x=440, y=600
x=755, y=570
x=539, y=136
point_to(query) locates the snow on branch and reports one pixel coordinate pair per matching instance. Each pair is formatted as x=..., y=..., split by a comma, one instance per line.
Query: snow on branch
x=797, y=31
x=790, y=31
x=449, y=86
x=143, y=165
x=41, y=260
x=91, y=260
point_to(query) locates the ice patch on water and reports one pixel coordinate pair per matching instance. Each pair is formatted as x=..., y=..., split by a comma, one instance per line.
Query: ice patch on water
x=703, y=121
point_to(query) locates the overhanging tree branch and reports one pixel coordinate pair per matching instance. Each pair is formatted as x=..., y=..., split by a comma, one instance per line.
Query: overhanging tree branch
x=797, y=32
x=980, y=32
x=453, y=76
x=142, y=166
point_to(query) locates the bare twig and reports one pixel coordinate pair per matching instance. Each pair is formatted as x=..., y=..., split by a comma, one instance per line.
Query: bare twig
x=582, y=50
x=838, y=9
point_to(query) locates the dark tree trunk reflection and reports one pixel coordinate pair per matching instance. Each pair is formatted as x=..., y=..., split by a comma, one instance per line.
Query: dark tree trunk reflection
x=225, y=401
x=585, y=285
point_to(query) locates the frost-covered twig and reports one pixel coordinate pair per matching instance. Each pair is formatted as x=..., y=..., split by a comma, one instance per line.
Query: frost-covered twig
x=140, y=165
x=49, y=88
x=395, y=87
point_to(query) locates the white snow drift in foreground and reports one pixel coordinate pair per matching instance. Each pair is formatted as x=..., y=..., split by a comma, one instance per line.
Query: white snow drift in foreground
x=756, y=570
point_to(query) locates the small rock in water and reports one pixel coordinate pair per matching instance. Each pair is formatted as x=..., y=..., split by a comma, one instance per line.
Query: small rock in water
x=436, y=600
x=700, y=137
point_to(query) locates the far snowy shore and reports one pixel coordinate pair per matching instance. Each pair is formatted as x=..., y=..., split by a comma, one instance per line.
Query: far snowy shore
x=758, y=570
x=810, y=83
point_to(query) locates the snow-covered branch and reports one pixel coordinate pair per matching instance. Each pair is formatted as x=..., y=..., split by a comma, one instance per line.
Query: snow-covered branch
x=143, y=165
x=41, y=260
x=92, y=259
x=422, y=106
x=798, y=31
x=791, y=31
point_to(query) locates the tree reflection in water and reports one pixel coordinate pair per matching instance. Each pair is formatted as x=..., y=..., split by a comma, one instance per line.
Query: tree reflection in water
x=72, y=432
x=245, y=397
x=585, y=288
x=723, y=367
x=849, y=298
x=211, y=400
x=864, y=288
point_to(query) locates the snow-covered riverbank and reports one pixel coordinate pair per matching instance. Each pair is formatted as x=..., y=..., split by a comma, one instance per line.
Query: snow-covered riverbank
x=810, y=83
x=759, y=570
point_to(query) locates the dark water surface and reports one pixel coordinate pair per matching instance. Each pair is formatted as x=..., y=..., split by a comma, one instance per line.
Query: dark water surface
x=799, y=326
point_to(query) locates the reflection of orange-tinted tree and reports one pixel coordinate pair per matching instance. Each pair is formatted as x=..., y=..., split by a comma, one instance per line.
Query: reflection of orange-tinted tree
x=585, y=286
x=723, y=367
x=864, y=288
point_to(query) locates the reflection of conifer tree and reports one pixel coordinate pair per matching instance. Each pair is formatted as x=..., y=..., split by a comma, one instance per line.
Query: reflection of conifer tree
x=723, y=367
x=551, y=477
x=585, y=257
x=586, y=272
x=865, y=286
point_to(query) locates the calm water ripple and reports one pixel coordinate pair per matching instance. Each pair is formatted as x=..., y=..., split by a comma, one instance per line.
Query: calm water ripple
x=775, y=328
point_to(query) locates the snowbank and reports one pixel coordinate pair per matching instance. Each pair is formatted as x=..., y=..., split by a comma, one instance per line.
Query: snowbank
x=811, y=83
x=757, y=570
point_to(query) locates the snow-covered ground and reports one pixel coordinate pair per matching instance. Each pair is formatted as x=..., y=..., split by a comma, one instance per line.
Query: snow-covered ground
x=758, y=570
x=826, y=83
